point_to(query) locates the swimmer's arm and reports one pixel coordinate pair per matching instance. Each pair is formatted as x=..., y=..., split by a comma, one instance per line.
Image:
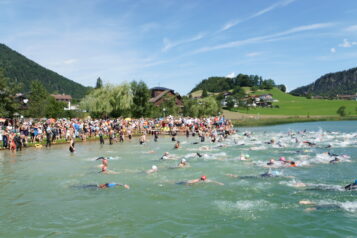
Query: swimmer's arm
x=215, y=182
x=124, y=185
x=233, y=175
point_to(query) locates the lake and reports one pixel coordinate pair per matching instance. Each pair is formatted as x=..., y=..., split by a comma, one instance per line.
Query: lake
x=42, y=195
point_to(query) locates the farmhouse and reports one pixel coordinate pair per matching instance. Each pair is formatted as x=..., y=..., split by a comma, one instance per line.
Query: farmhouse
x=160, y=94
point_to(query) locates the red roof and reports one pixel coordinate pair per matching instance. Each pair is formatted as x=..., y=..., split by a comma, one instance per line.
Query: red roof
x=62, y=96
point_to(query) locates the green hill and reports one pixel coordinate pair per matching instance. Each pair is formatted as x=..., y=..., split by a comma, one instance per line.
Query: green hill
x=344, y=82
x=22, y=70
x=294, y=105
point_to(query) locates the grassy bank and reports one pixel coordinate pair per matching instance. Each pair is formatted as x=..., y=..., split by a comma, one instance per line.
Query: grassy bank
x=300, y=106
x=250, y=122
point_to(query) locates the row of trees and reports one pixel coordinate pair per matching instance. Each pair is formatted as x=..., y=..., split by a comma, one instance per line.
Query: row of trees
x=220, y=84
x=39, y=103
x=127, y=100
x=132, y=100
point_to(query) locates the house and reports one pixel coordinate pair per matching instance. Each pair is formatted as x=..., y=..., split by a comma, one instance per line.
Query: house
x=159, y=94
x=64, y=98
x=347, y=97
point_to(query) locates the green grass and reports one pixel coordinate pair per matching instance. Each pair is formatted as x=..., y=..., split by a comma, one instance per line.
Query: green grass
x=292, y=119
x=292, y=105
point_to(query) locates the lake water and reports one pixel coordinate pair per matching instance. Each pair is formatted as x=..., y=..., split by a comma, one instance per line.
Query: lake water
x=40, y=190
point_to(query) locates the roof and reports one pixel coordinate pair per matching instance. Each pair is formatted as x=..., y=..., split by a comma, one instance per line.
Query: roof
x=155, y=99
x=61, y=96
x=160, y=89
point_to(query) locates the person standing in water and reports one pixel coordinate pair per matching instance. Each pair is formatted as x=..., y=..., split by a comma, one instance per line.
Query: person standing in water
x=71, y=145
x=101, y=139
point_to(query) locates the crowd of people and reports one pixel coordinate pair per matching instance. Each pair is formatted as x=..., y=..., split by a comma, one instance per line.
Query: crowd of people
x=17, y=134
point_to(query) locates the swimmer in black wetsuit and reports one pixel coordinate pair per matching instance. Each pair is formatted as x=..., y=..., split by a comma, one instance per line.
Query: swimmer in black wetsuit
x=268, y=174
x=351, y=186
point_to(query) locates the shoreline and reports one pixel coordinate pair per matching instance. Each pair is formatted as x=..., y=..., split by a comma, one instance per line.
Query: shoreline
x=258, y=122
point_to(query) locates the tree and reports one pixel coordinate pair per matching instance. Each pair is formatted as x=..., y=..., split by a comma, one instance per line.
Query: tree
x=169, y=106
x=204, y=93
x=55, y=109
x=230, y=102
x=141, y=95
x=268, y=84
x=8, y=103
x=121, y=99
x=201, y=107
x=99, y=83
x=38, y=99
x=109, y=100
x=282, y=87
x=341, y=111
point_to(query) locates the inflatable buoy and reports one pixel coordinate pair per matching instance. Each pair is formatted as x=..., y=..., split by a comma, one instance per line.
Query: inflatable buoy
x=38, y=146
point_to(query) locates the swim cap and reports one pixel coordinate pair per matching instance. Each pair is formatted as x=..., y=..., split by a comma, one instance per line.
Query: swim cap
x=203, y=177
x=154, y=167
x=183, y=160
x=282, y=158
x=247, y=156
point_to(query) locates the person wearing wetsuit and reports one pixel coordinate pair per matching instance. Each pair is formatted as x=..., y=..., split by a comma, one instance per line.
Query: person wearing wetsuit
x=102, y=186
x=352, y=186
x=101, y=139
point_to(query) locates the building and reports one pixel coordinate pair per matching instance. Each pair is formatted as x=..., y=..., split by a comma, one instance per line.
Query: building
x=64, y=98
x=159, y=94
x=347, y=97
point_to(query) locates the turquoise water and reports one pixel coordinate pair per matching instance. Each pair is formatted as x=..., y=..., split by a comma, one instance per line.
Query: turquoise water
x=40, y=196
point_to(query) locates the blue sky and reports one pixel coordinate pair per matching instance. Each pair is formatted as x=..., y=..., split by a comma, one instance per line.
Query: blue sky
x=176, y=44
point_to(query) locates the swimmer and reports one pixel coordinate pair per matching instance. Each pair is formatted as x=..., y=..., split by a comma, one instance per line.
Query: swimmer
x=177, y=145
x=292, y=164
x=153, y=169
x=105, y=170
x=165, y=156
x=199, y=155
x=335, y=160
x=104, y=161
x=351, y=186
x=202, y=179
x=318, y=207
x=182, y=164
x=268, y=174
x=101, y=186
x=271, y=162
x=309, y=143
x=283, y=160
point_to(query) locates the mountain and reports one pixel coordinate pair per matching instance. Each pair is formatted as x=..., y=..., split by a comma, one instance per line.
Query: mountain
x=23, y=70
x=343, y=82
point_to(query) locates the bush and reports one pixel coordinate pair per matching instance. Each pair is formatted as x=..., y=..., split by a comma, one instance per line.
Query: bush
x=341, y=111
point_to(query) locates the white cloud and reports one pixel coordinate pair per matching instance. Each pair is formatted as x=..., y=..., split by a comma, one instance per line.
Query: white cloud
x=70, y=61
x=352, y=28
x=333, y=50
x=271, y=37
x=171, y=44
x=347, y=44
x=253, y=54
x=231, y=75
x=257, y=14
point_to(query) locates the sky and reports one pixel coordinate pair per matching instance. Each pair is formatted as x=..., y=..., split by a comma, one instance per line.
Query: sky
x=176, y=44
